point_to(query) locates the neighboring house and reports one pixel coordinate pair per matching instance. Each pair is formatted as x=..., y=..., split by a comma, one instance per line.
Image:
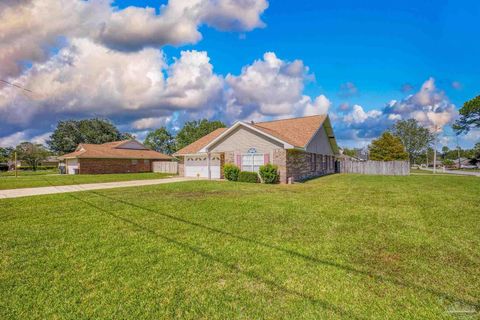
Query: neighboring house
x=51, y=161
x=111, y=157
x=301, y=148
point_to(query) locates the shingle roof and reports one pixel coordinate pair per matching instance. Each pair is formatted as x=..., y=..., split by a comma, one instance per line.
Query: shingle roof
x=111, y=150
x=294, y=131
x=200, y=143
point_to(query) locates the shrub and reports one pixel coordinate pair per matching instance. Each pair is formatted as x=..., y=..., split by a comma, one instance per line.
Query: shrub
x=247, y=176
x=269, y=173
x=231, y=172
x=3, y=167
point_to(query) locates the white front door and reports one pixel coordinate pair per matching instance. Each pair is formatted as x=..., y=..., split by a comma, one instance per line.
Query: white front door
x=197, y=166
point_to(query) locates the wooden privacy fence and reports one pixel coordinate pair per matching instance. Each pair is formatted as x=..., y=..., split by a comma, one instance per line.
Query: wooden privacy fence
x=165, y=166
x=394, y=168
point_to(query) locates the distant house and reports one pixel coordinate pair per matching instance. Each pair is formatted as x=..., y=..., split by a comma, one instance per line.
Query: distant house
x=126, y=156
x=51, y=161
x=301, y=148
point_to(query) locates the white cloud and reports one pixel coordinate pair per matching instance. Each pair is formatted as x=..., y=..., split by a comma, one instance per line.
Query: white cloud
x=358, y=115
x=272, y=87
x=29, y=29
x=150, y=123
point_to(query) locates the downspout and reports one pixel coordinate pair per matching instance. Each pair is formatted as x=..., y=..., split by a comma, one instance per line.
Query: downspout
x=208, y=165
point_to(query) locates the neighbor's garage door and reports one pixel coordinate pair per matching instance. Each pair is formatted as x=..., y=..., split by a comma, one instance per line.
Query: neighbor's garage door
x=197, y=166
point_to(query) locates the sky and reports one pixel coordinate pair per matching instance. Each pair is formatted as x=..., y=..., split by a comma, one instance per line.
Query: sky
x=145, y=64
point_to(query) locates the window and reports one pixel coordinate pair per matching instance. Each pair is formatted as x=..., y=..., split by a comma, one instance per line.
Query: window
x=252, y=161
x=146, y=161
x=313, y=162
x=134, y=161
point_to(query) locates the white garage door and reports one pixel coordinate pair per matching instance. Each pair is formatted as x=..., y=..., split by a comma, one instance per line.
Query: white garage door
x=72, y=166
x=196, y=166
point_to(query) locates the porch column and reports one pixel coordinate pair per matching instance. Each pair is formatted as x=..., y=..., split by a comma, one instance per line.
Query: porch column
x=208, y=165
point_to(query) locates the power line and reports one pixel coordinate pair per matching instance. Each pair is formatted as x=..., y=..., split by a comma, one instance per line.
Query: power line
x=16, y=86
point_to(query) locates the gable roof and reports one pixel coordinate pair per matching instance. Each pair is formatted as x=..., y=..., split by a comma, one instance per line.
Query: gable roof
x=196, y=146
x=294, y=133
x=114, y=150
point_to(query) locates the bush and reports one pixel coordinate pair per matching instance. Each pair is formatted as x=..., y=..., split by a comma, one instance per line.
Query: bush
x=3, y=167
x=231, y=172
x=247, y=176
x=269, y=173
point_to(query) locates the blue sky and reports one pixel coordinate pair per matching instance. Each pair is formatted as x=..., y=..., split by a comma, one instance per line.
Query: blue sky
x=377, y=51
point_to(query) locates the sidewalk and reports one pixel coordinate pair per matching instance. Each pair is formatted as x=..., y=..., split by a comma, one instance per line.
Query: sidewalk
x=16, y=193
x=458, y=172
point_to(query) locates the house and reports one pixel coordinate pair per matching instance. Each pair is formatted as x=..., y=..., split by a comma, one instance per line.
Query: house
x=126, y=156
x=301, y=148
x=51, y=161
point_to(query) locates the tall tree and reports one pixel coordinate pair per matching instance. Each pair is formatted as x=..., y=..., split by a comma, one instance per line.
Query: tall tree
x=70, y=133
x=475, y=159
x=469, y=116
x=160, y=140
x=414, y=137
x=31, y=153
x=194, y=130
x=5, y=154
x=387, y=148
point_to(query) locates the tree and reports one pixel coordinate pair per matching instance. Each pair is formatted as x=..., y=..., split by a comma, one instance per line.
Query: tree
x=387, y=148
x=160, y=140
x=414, y=137
x=469, y=116
x=70, y=133
x=475, y=159
x=31, y=153
x=349, y=152
x=194, y=130
x=5, y=154
x=445, y=151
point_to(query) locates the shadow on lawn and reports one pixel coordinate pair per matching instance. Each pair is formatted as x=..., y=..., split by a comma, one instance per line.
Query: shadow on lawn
x=322, y=303
x=347, y=268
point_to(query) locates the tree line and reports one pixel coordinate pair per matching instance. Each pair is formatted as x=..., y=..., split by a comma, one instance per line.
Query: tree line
x=70, y=133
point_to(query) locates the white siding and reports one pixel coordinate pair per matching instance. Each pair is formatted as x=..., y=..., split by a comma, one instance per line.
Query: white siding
x=320, y=143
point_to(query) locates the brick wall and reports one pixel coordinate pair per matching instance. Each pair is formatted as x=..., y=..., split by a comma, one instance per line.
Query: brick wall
x=96, y=166
x=304, y=165
x=181, y=166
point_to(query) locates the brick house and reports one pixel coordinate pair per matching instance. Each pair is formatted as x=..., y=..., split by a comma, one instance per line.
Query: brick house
x=302, y=148
x=128, y=156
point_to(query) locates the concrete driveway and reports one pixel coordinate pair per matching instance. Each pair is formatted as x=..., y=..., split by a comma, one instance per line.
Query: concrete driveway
x=16, y=193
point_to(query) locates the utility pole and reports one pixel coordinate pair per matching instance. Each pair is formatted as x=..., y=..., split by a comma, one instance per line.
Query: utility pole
x=435, y=151
x=458, y=153
x=15, y=164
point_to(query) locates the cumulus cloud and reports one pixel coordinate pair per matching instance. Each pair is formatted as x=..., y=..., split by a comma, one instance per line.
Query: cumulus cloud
x=86, y=79
x=30, y=29
x=272, y=87
x=150, y=123
x=429, y=106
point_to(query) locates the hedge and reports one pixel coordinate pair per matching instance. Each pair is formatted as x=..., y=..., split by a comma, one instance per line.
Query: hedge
x=30, y=168
x=247, y=176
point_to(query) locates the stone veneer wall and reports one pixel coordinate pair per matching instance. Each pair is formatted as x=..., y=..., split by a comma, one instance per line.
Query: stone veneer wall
x=97, y=166
x=280, y=159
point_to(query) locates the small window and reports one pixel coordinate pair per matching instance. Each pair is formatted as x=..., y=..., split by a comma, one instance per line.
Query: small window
x=134, y=161
x=146, y=161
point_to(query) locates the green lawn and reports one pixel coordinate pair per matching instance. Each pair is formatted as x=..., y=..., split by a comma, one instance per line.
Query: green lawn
x=338, y=247
x=42, y=179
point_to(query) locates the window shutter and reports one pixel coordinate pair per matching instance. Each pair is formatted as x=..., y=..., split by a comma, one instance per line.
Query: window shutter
x=239, y=161
x=266, y=158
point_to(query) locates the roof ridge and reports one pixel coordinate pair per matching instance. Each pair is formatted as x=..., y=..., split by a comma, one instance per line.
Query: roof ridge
x=287, y=119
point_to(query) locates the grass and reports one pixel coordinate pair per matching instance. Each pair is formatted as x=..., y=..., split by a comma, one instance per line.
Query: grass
x=41, y=179
x=338, y=247
x=24, y=173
